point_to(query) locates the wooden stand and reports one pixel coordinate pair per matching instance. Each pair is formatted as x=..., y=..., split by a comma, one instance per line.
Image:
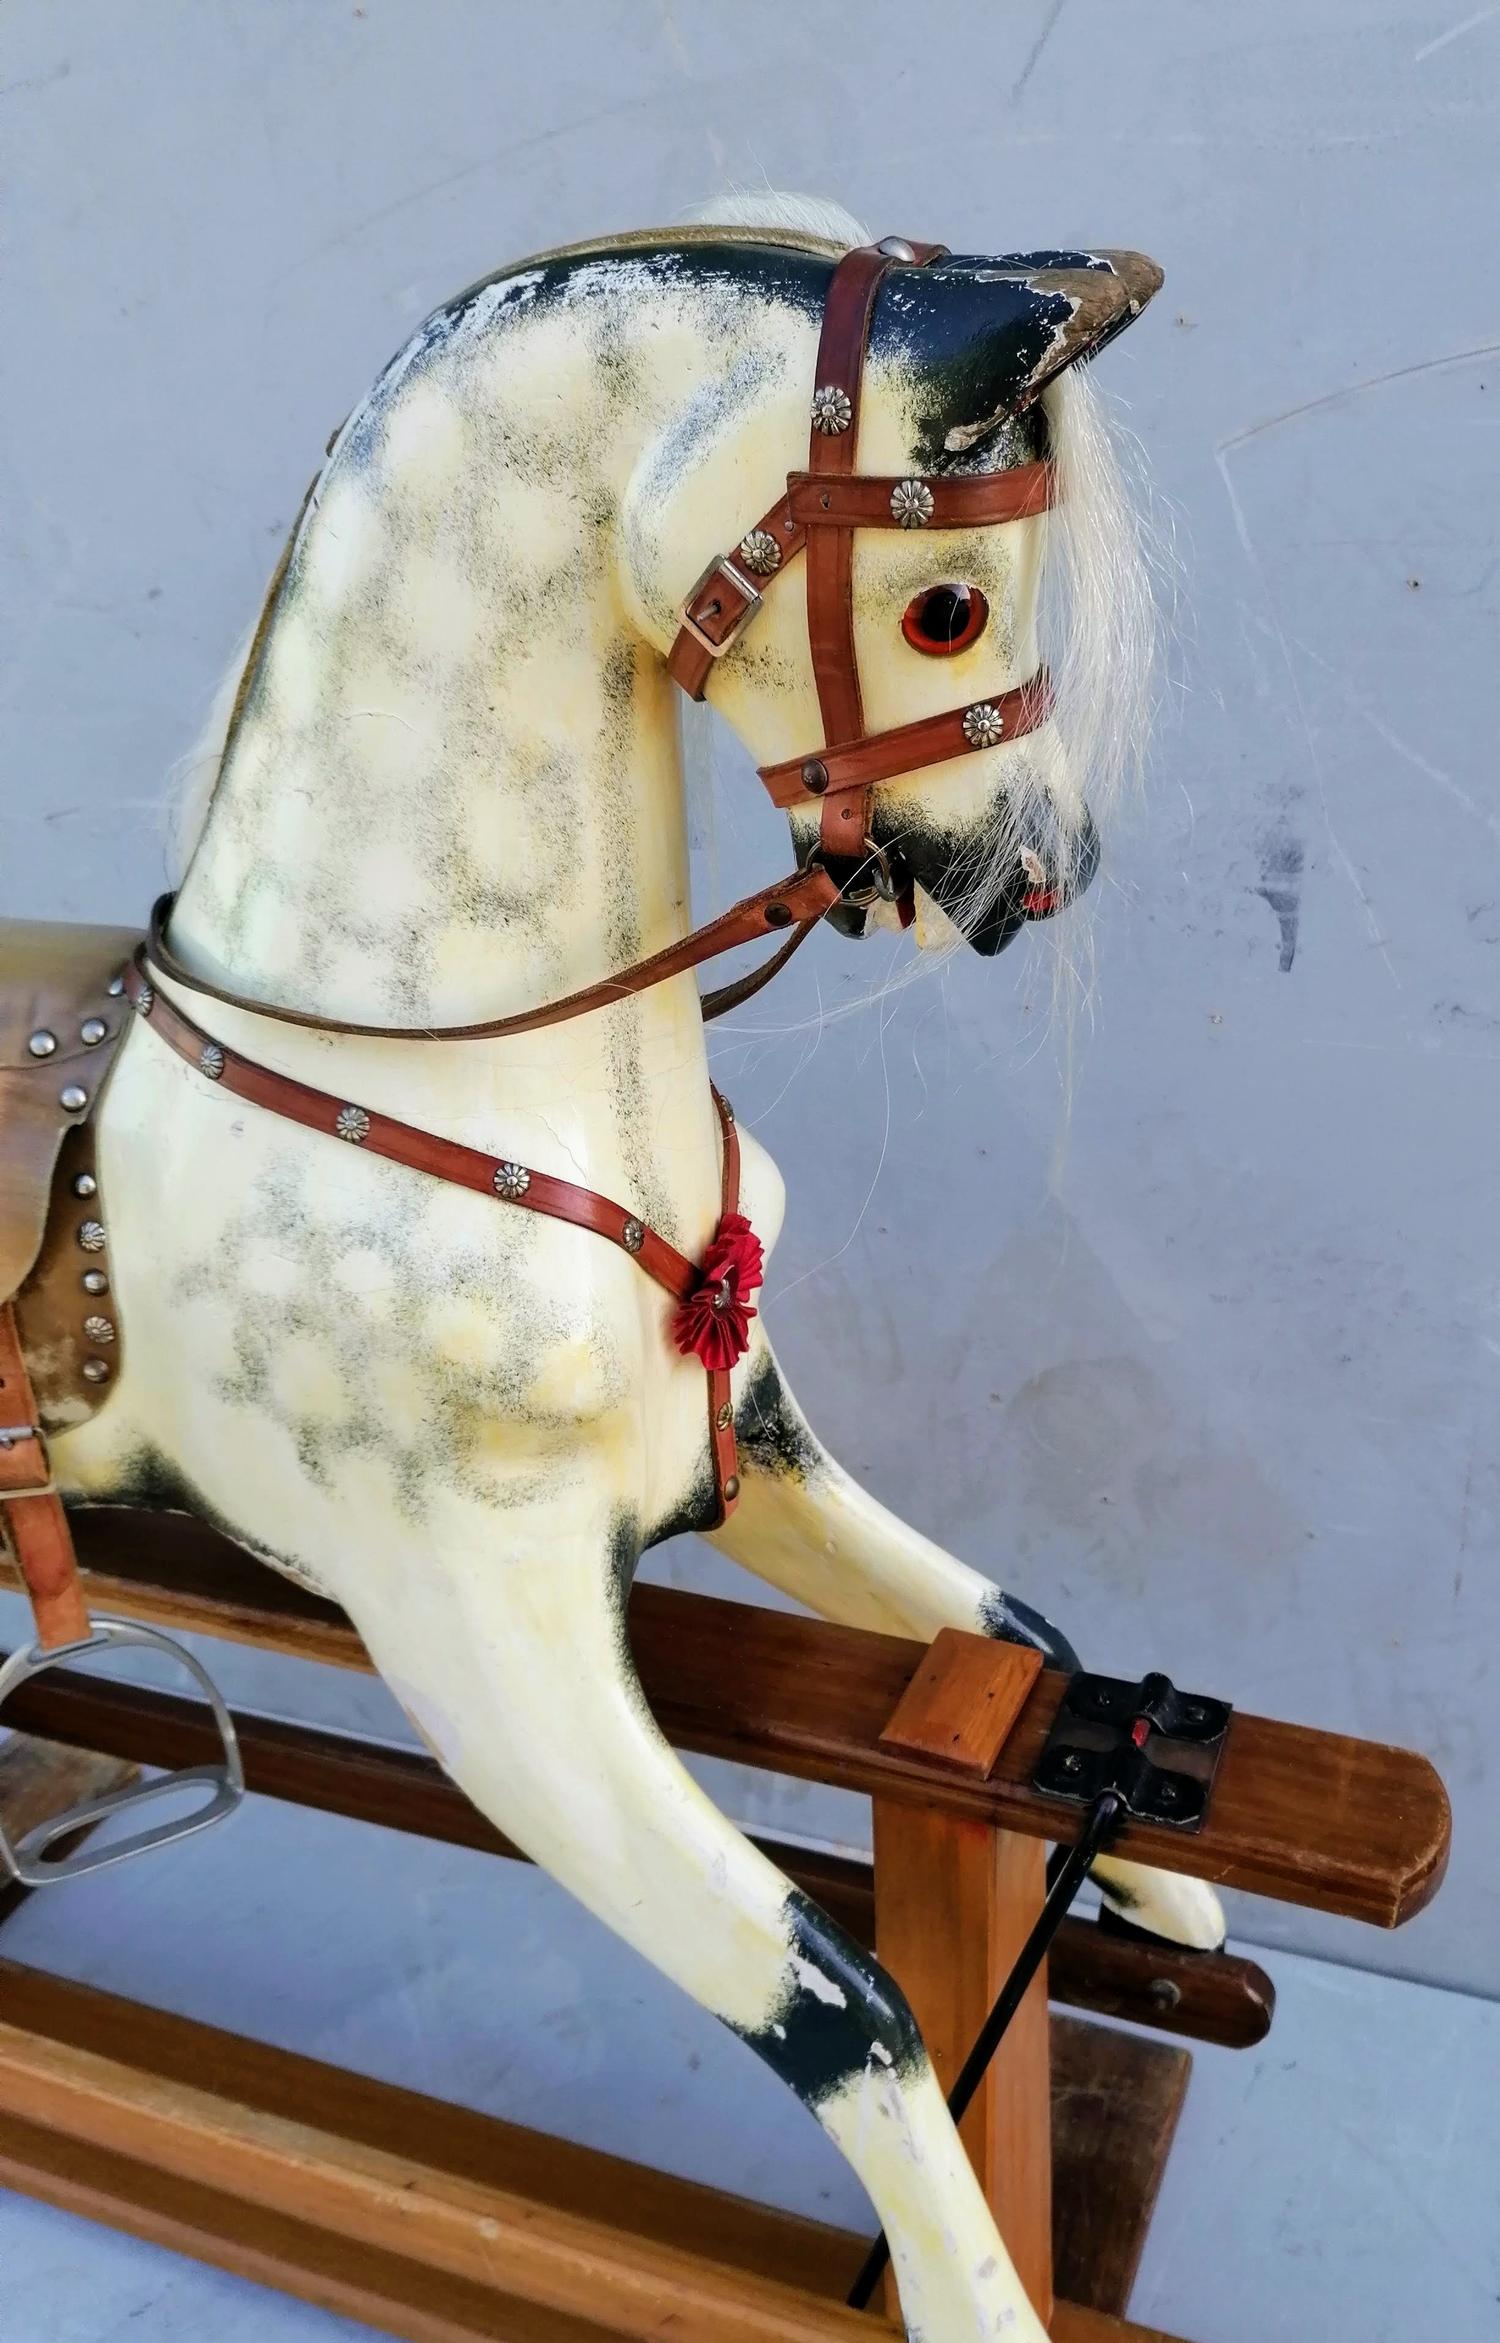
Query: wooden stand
x=445, y=2227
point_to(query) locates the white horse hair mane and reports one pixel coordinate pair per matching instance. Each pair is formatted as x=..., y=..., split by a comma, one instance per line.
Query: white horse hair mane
x=1099, y=622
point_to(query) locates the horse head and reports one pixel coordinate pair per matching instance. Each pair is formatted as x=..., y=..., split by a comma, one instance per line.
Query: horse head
x=962, y=379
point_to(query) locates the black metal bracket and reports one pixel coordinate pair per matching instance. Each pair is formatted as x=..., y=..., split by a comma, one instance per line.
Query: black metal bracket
x=1156, y=1747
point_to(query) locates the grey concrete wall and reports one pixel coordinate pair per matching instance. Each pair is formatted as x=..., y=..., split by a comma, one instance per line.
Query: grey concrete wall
x=1220, y=1392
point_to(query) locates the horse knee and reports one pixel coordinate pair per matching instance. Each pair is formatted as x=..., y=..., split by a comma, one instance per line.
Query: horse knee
x=837, y=2014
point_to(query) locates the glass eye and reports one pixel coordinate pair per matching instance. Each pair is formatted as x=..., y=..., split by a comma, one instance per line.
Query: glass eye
x=944, y=619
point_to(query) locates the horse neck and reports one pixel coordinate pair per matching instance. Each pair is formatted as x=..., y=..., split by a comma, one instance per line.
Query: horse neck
x=454, y=788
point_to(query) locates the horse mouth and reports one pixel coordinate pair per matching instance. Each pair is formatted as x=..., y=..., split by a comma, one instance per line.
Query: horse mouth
x=1040, y=872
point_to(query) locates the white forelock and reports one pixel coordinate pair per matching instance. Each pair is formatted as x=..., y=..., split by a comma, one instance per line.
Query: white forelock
x=779, y=207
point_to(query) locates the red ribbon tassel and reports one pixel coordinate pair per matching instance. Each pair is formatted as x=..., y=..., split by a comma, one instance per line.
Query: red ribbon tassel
x=713, y=1324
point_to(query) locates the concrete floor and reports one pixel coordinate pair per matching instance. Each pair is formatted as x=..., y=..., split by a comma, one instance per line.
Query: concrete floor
x=1339, y=2182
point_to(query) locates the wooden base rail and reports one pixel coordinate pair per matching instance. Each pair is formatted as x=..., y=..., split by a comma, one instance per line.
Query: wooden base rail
x=435, y=2223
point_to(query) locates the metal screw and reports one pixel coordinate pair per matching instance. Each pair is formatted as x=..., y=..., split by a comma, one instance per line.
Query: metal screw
x=731, y=1488
x=42, y=1045
x=815, y=776
x=95, y=1282
x=92, y=1031
x=116, y=986
x=96, y=1370
x=778, y=915
x=85, y=1185
x=74, y=1097
x=1072, y=1763
x=1164, y=1993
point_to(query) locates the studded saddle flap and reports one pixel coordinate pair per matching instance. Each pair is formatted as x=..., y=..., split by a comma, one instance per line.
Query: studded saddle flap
x=60, y=1025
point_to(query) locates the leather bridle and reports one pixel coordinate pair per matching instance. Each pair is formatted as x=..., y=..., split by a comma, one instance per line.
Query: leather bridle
x=816, y=518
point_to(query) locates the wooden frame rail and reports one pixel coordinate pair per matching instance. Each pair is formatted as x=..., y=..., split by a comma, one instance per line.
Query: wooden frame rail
x=1304, y=1816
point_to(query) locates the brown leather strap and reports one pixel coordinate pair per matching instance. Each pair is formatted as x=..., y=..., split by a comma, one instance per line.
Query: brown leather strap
x=836, y=402
x=838, y=775
x=31, y=1510
x=728, y=595
x=832, y=444
x=800, y=900
x=744, y=988
x=423, y=1151
x=508, y=1182
x=872, y=500
x=721, y=1437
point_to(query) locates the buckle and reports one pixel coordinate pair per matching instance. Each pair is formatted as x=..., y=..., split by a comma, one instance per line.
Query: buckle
x=223, y=1784
x=11, y=1436
x=723, y=567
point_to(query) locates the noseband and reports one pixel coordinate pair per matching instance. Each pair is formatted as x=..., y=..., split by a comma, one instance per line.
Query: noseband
x=817, y=516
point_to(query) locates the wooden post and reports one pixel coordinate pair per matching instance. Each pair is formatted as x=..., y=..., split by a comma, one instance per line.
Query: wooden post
x=954, y=1903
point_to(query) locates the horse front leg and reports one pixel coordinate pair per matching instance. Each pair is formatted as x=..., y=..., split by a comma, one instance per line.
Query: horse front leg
x=805, y=1525
x=510, y=1655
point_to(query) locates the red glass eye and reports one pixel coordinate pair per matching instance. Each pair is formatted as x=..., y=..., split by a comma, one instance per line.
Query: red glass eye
x=944, y=619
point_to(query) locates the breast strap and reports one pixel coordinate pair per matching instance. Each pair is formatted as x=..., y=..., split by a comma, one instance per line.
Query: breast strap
x=506, y=1182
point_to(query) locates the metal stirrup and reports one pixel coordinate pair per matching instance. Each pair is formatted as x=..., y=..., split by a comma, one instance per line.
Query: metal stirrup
x=224, y=1784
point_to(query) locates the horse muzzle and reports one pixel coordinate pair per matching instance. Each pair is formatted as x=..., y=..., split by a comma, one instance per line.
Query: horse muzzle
x=989, y=898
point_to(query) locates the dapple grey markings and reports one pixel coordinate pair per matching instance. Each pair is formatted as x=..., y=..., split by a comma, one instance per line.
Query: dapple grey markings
x=453, y=790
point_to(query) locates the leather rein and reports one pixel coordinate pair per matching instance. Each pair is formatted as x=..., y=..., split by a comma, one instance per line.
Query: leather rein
x=816, y=518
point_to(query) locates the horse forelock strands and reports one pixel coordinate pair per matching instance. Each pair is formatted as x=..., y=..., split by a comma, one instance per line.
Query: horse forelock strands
x=1102, y=633
x=1100, y=621
x=776, y=207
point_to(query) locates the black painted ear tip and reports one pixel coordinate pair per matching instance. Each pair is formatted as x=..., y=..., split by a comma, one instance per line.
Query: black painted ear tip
x=984, y=335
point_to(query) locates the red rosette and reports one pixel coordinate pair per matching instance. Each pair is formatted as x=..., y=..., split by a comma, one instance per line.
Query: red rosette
x=713, y=1324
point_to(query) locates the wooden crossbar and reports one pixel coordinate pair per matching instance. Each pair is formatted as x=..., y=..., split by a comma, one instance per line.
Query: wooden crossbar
x=1308, y=1817
x=1214, y=1997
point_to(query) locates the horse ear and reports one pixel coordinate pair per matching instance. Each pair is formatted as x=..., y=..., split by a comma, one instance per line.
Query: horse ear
x=986, y=336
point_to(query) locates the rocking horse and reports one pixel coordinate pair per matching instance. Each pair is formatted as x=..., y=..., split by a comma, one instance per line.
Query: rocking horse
x=407, y=1240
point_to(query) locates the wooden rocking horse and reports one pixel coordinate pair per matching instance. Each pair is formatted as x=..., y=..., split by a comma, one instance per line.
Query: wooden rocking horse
x=407, y=1241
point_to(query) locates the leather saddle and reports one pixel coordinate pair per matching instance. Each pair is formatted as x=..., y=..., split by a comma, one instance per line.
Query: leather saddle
x=63, y=1011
